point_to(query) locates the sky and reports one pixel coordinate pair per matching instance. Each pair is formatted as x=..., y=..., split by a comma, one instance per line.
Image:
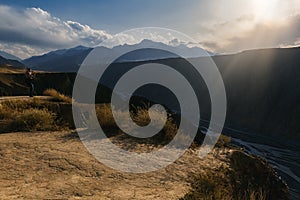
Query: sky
x=35, y=27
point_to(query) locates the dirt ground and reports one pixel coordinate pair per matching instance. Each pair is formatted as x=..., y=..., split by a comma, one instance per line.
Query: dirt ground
x=56, y=165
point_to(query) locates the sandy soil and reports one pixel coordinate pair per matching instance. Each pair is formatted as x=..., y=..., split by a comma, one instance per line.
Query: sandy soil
x=56, y=165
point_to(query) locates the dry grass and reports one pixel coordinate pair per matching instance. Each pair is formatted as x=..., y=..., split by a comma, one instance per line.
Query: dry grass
x=28, y=119
x=19, y=105
x=4, y=68
x=16, y=110
x=33, y=115
x=140, y=116
x=247, y=178
x=34, y=120
x=105, y=116
x=217, y=186
x=58, y=97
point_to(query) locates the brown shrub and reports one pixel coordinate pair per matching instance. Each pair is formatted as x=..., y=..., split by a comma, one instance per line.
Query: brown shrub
x=34, y=120
x=56, y=96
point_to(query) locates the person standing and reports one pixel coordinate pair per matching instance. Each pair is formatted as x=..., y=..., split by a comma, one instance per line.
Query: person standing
x=29, y=79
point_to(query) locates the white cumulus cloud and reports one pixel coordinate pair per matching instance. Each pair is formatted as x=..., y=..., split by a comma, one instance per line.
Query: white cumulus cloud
x=34, y=31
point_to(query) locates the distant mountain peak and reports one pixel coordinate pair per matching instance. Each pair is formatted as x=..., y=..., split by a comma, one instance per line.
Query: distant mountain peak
x=152, y=43
x=80, y=47
x=147, y=41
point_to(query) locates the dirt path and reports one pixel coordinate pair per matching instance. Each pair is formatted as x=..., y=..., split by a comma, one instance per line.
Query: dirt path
x=8, y=98
x=55, y=165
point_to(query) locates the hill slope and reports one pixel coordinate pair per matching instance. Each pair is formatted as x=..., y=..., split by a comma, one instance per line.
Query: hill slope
x=9, y=56
x=10, y=63
x=262, y=89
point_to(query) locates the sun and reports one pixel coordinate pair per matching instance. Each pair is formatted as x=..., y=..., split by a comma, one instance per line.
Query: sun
x=266, y=9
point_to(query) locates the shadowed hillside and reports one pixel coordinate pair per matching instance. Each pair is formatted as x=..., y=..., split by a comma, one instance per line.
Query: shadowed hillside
x=13, y=84
x=261, y=86
x=263, y=90
x=4, y=62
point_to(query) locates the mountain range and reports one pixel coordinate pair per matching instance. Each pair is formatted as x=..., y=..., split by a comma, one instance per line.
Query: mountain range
x=69, y=60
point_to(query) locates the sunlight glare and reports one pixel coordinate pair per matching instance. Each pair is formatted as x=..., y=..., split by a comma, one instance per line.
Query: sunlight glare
x=266, y=9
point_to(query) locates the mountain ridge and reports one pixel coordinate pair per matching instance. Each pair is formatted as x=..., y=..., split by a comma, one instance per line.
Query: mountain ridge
x=69, y=60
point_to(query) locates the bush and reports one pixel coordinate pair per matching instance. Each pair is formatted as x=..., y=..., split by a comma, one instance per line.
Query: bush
x=105, y=116
x=210, y=186
x=34, y=120
x=5, y=113
x=255, y=173
x=30, y=115
x=247, y=178
x=140, y=116
x=56, y=96
x=20, y=105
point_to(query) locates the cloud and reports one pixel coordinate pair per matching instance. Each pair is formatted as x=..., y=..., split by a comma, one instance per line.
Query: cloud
x=247, y=33
x=23, y=51
x=32, y=31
